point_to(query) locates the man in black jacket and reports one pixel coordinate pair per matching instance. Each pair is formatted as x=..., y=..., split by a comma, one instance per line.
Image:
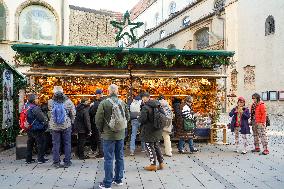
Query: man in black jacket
x=95, y=138
x=38, y=123
x=82, y=125
x=150, y=134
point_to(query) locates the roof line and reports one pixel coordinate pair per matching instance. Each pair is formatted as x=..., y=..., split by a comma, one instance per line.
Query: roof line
x=108, y=13
x=12, y=67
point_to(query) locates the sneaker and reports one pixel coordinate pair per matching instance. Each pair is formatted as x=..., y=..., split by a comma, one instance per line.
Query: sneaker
x=30, y=161
x=99, y=156
x=102, y=186
x=169, y=155
x=92, y=152
x=161, y=166
x=194, y=150
x=181, y=151
x=244, y=152
x=42, y=161
x=265, y=152
x=131, y=154
x=66, y=165
x=117, y=183
x=143, y=151
x=256, y=150
x=57, y=165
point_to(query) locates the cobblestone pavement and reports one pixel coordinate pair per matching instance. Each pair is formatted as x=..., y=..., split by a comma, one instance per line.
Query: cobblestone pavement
x=215, y=166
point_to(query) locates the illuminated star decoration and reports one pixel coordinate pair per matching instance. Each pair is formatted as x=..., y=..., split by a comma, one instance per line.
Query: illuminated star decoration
x=126, y=23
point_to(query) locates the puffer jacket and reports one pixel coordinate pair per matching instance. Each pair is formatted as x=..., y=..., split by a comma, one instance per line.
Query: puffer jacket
x=82, y=122
x=148, y=132
x=245, y=129
x=260, y=113
x=71, y=112
x=168, y=111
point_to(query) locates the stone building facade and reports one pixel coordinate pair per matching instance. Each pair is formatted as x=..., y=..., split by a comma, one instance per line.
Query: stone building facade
x=254, y=29
x=52, y=22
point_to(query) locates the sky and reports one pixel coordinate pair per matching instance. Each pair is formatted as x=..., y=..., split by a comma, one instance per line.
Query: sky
x=113, y=5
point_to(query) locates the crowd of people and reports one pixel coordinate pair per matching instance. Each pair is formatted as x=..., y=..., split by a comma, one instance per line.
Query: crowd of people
x=104, y=121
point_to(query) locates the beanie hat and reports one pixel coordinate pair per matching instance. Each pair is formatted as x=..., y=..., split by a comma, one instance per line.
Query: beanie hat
x=241, y=99
x=99, y=91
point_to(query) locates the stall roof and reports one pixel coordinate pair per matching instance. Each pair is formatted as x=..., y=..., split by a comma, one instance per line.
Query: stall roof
x=26, y=48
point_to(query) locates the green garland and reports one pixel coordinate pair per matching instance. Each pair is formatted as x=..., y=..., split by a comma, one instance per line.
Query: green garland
x=8, y=136
x=108, y=59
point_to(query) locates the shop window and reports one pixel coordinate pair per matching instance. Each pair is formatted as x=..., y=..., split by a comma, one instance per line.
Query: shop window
x=171, y=46
x=202, y=38
x=156, y=19
x=269, y=25
x=186, y=21
x=37, y=24
x=2, y=22
x=145, y=43
x=219, y=5
x=162, y=34
x=172, y=8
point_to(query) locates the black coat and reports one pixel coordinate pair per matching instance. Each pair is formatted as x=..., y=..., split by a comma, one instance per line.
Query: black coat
x=93, y=111
x=148, y=132
x=82, y=122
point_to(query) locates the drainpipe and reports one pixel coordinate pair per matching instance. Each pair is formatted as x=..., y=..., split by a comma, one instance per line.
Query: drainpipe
x=62, y=22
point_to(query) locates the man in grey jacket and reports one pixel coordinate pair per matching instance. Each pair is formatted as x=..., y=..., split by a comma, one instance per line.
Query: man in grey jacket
x=61, y=131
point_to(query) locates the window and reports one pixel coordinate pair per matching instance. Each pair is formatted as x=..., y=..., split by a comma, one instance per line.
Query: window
x=186, y=21
x=156, y=19
x=172, y=7
x=269, y=25
x=171, y=46
x=219, y=5
x=162, y=34
x=145, y=43
x=2, y=22
x=202, y=38
x=37, y=24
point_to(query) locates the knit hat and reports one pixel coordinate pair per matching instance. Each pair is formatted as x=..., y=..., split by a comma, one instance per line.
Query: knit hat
x=99, y=91
x=137, y=98
x=241, y=99
x=145, y=94
x=57, y=89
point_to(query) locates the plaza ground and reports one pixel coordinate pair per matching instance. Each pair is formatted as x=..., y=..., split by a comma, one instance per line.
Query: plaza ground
x=215, y=166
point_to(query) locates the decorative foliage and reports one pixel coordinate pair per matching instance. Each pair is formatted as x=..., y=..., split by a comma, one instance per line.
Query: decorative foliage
x=124, y=24
x=120, y=61
x=8, y=135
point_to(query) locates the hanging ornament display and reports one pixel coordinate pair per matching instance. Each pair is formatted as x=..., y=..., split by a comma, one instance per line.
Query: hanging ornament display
x=125, y=24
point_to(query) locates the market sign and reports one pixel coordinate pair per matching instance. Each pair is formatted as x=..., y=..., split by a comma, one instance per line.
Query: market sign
x=118, y=57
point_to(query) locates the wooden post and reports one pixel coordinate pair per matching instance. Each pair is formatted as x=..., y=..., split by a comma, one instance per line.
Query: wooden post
x=224, y=135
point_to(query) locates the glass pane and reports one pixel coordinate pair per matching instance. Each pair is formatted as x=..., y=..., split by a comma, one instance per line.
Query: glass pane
x=37, y=24
x=202, y=38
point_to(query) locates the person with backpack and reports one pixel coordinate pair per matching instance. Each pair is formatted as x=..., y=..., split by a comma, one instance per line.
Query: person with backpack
x=111, y=120
x=62, y=115
x=151, y=131
x=82, y=125
x=95, y=139
x=185, y=131
x=167, y=129
x=135, y=124
x=259, y=122
x=37, y=125
x=239, y=124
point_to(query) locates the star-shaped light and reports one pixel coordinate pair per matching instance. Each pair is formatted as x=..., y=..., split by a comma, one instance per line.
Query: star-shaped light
x=126, y=23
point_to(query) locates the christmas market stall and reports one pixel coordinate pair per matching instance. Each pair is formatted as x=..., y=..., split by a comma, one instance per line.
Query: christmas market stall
x=11, y=83
x=171, y=72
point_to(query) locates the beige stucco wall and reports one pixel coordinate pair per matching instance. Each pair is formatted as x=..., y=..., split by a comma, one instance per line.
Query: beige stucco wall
x=245, y=30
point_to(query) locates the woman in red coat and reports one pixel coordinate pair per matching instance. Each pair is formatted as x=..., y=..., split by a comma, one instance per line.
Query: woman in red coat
x=258, y=120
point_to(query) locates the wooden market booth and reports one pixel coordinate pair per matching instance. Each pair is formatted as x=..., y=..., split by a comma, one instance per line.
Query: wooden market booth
x=80, y=70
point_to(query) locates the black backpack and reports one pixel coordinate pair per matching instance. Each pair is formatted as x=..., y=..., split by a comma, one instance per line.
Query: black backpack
x=159, y=118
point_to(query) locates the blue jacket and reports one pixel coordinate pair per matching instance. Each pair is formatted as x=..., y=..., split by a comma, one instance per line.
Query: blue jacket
x=245, y=129
x=36, y=118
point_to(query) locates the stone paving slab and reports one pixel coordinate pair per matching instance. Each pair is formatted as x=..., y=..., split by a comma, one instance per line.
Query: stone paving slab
x=215, y=166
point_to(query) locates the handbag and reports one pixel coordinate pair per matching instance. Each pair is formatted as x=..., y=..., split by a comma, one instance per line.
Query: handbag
x=188, y=124
x=267, y=121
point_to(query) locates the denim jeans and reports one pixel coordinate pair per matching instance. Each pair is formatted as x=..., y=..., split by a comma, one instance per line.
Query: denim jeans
x=56, y=141
x=135, y=126
x=113, y=149
x=181, y=143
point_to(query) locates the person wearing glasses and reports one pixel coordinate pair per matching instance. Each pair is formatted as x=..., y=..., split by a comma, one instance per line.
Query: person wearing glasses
x=258, y=122
x=239, y=124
